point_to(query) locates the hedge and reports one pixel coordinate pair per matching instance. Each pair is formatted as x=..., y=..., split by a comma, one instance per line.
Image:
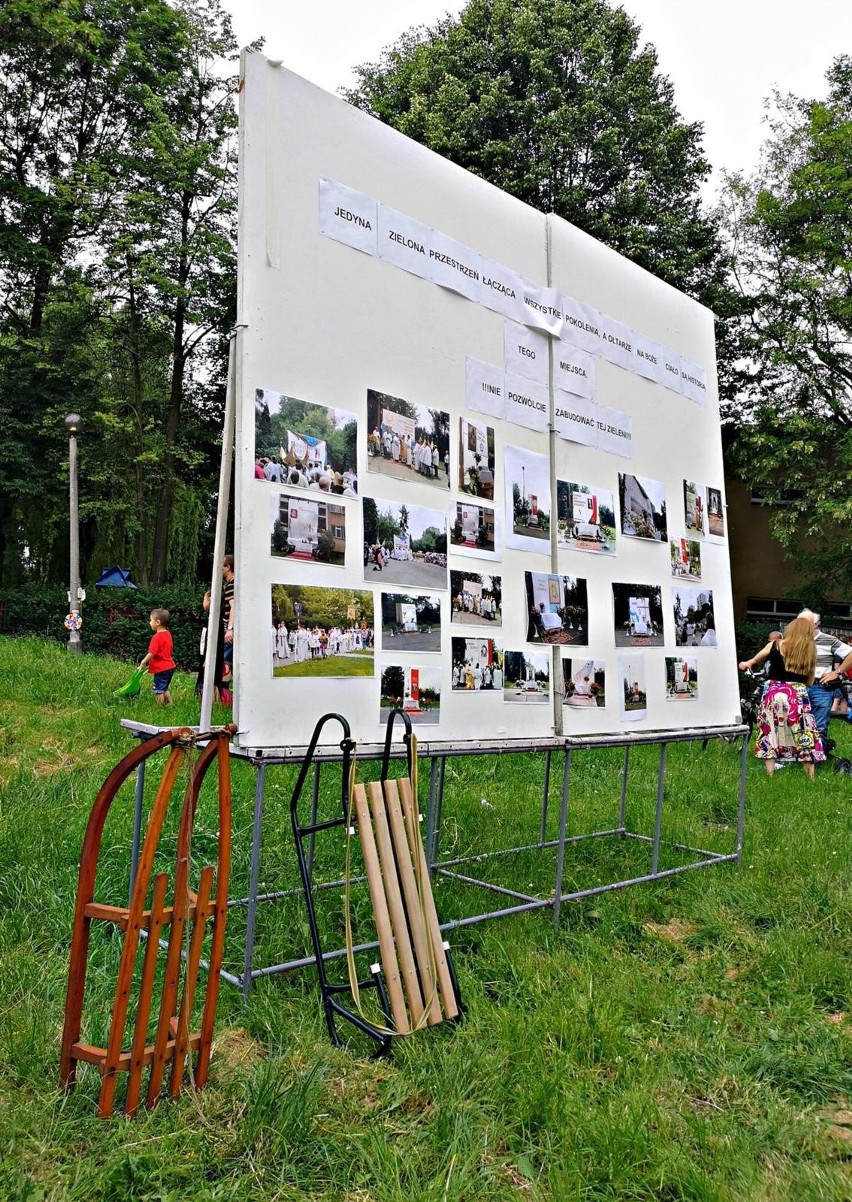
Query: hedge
x=115, y=620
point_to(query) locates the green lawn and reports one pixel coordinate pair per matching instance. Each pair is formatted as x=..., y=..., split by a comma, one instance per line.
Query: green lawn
x=685, y=1040
x=357, y=663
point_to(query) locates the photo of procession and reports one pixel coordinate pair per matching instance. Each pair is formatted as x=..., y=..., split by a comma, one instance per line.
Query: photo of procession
x=693, y=506
x=305, y=445
x=527, y=677
x=715, y=513
x=686, y=558
x=307, y=531
x=404, y=544
x=477, y=665
x=476, y=600
x=416, y=691
x=411, y=622
x=476, y=459
x=585, y=683
x=585, y=518
x=557, y=608
x=695, y=622
x=642, y=505
x=321, y=631
x=472, y=529
x=633, y=689
x=527, y=499
x=406, y=441
x=638, y=615
x=681, y=679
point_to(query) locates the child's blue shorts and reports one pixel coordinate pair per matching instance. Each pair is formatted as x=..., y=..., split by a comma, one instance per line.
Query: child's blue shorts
x=162, y=680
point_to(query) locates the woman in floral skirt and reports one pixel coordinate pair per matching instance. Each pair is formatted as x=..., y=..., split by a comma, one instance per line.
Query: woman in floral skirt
x=787, y=732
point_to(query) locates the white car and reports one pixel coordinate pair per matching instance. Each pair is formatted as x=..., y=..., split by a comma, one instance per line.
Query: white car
x=587, y=530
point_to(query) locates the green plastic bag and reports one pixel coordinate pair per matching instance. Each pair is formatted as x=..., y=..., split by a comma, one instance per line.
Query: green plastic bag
x=133, y=686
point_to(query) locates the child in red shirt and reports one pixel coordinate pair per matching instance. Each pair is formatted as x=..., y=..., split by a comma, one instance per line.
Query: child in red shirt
x=159, y=660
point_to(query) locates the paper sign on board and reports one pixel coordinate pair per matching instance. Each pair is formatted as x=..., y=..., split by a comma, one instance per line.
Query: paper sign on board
x=348, y=216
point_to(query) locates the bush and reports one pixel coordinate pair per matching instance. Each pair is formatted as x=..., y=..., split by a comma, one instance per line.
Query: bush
x=115, y=620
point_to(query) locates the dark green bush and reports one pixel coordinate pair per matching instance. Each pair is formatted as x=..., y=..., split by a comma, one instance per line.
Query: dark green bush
x=115, y=620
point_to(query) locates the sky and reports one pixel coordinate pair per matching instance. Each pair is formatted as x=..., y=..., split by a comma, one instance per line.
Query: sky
x=724, y=57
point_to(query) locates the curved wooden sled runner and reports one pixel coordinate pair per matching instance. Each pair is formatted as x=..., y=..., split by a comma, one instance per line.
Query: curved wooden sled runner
x=185, y=919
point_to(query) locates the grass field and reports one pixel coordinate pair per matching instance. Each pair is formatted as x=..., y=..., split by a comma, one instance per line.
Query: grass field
x=685, y=1040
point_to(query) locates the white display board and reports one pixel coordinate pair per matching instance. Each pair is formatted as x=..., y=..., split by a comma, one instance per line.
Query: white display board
x=479, y=467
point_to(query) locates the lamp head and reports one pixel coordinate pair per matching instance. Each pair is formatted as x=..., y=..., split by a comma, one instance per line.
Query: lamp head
x=72, y=423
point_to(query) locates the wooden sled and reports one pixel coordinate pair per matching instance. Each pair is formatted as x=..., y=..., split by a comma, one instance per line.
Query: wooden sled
x=182, y=920
x=415, y=983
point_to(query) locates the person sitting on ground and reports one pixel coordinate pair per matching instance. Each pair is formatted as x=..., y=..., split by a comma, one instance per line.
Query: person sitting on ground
x=787, y=730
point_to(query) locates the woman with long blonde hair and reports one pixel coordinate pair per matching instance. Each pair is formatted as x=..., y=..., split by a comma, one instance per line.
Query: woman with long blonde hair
x=787, y=731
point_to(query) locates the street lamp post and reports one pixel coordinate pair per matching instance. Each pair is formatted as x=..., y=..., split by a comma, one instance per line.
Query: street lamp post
x=75, y=593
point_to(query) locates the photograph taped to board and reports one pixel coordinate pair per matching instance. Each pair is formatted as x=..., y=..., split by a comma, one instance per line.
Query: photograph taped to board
x=476, y=600
x=327, y=631
x=585, y=683
x=411, y=622
x=557, y=608
x=404, y=544
x=585, y=518
x=307, y=531
x=638, y=615
x=305, y=445
x=407, y=442
x=642, y=504
x=417, y=691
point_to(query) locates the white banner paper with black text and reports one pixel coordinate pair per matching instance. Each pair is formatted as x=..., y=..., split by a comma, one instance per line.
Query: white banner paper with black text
x=526, y=352
x=615, y=432
x=485, y=387
x=527, y=403
x=576, y=418
x=348, y=216
x=404, y=242
x=573, y=370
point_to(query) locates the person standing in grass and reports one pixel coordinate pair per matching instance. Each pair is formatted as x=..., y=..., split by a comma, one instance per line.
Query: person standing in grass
x=160, y=658
x=786, y=725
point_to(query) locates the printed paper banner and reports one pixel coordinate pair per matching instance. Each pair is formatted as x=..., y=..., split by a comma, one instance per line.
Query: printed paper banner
x=527, y=403
x=617, y=343
x=615, y=432
x=693, y=381
x=403, y=242
x=348, y=216
x=671, y=369
x=455, y=266
x=582, y=325
x=526, y=352
x=576, y=419
x=544, y=308
x=648, y=359
x=573, y=370
x=502, y=290
x=485, y=388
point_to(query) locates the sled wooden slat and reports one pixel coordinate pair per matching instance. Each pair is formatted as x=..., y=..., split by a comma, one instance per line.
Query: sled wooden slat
x=411, y=816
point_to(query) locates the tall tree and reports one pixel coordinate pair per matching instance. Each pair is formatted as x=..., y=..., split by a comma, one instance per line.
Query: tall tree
x=555, y=102
x=790, y=234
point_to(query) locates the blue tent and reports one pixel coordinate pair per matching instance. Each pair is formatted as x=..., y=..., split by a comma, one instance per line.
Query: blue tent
x=115, y=578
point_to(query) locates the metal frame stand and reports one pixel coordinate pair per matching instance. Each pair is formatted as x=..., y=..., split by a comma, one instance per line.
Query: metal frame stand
x=315, y=757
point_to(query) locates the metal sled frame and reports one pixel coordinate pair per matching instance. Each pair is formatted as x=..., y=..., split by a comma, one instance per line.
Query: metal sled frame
x=173, y=1043
x=386, y=811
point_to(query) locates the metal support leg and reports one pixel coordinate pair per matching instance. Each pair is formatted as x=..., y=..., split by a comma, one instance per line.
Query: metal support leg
x=433, y=814
x=137, y=826
x=563, y=830
x=741, y=806
x=314, y=812
x=543, y=828
x=625, y=767
x=254, y=877
x=658, y=818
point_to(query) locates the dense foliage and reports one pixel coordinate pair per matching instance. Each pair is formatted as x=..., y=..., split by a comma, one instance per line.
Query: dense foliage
x=556, y=102
x=117, y=204
x=789, y=229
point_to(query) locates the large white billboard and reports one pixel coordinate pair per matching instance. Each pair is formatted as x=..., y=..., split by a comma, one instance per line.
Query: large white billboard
x=453, y=407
